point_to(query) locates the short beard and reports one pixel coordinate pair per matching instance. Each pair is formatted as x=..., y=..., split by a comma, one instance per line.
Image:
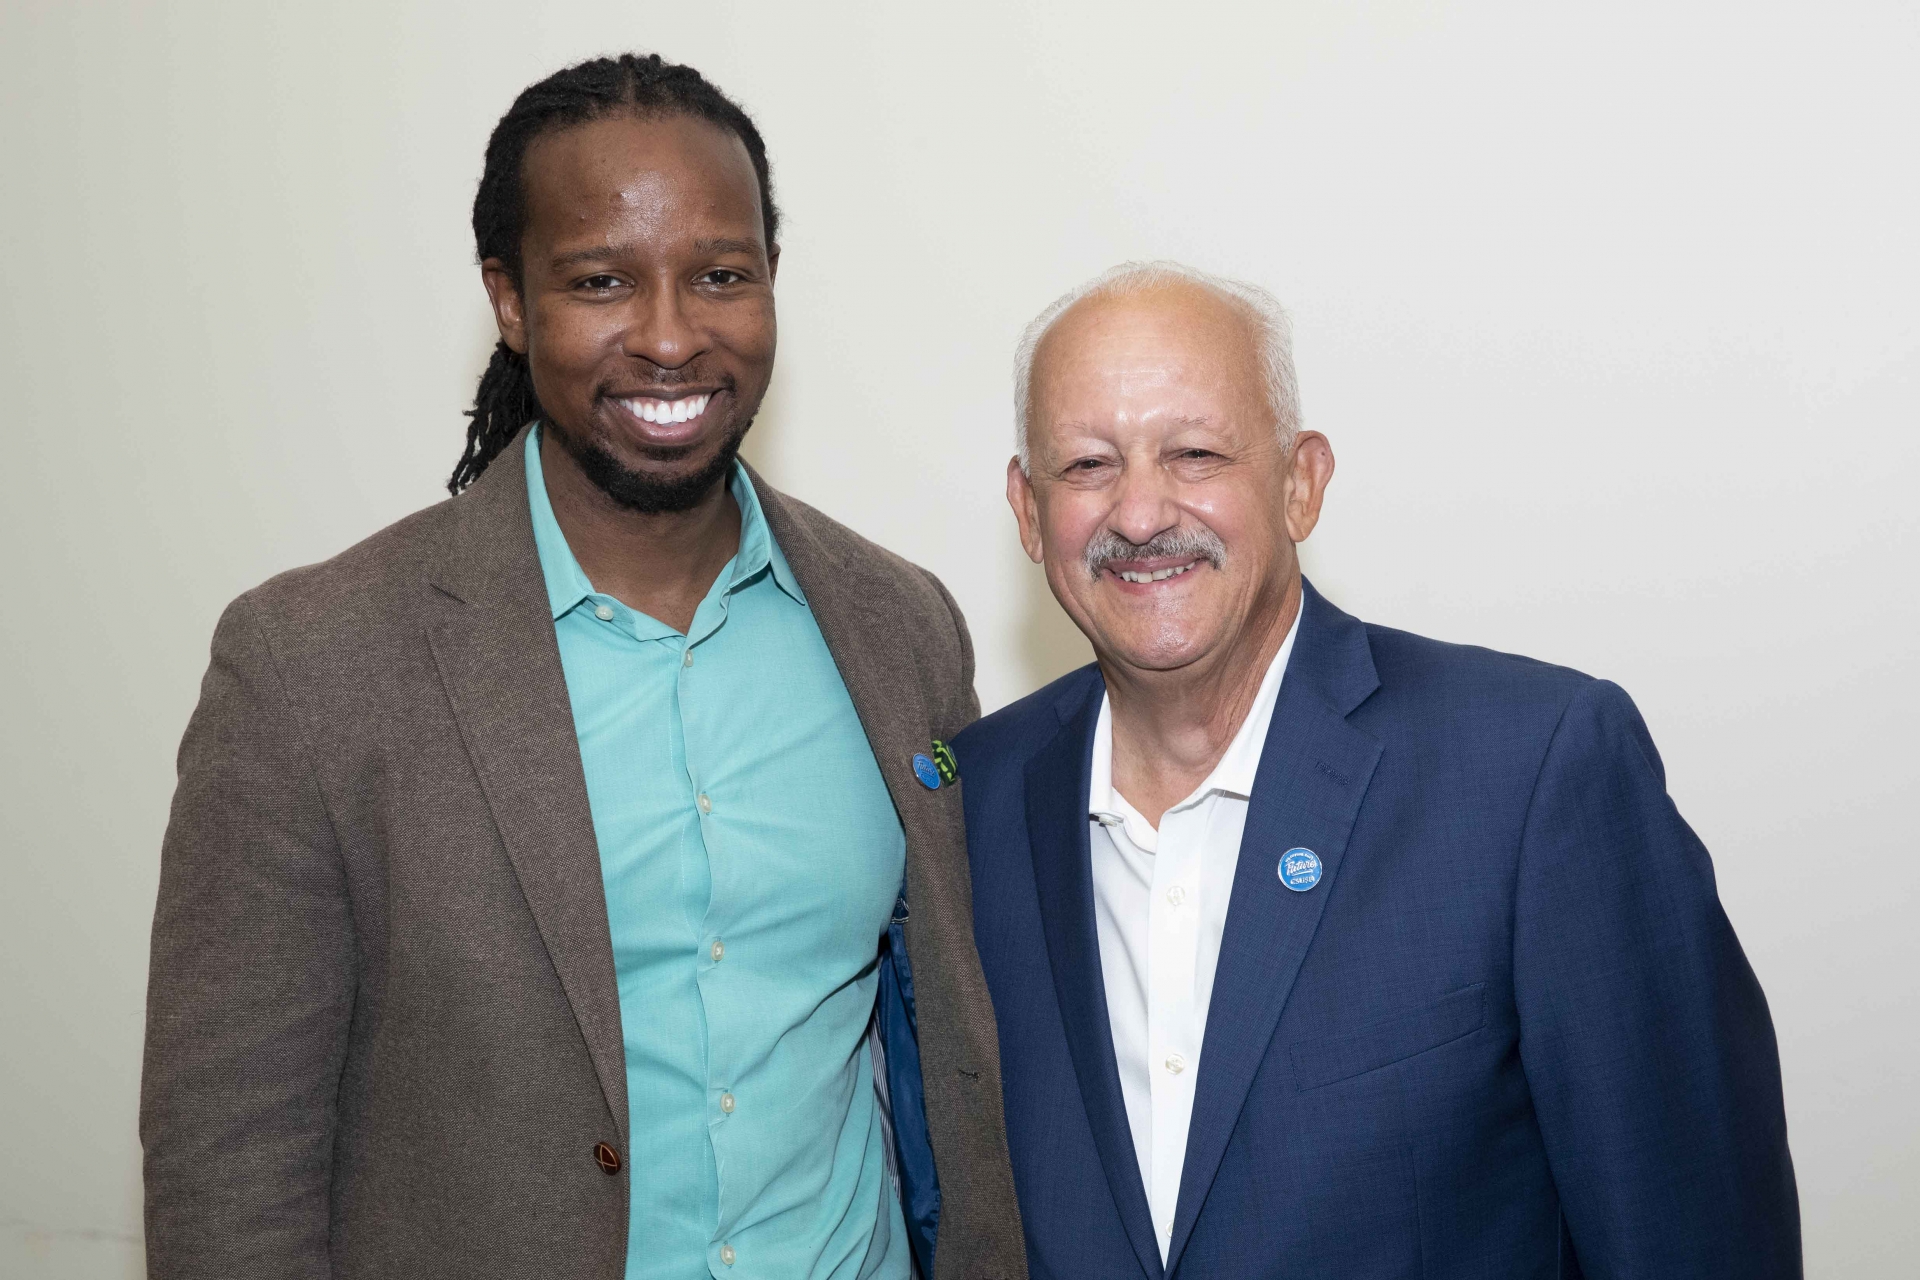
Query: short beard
x=652, y=495
x=1197, y=543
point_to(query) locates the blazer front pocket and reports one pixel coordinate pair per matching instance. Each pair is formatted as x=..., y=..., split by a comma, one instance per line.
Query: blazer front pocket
x=1390, y=1040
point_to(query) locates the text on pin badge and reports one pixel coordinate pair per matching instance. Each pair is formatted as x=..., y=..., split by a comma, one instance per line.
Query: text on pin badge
x=1299, y=869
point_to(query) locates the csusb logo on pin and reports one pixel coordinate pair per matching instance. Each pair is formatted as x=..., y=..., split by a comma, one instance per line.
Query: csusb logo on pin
x=1299, y=869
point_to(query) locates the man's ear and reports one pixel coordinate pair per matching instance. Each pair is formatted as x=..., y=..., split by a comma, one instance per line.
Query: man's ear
x=509, y=313
x=1309, y=469
x=1026, y=511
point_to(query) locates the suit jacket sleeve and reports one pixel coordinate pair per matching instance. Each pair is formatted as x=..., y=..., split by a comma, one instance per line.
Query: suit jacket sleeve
x=1645, y=1037
x=250, y=990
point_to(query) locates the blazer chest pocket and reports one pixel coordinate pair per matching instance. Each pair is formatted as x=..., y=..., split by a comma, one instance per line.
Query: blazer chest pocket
x=1336, y=1058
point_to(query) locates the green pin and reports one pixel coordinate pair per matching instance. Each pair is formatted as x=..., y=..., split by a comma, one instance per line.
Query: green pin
x=943, y=761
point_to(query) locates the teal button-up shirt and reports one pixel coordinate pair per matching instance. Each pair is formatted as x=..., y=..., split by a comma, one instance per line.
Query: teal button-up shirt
x=751, y=857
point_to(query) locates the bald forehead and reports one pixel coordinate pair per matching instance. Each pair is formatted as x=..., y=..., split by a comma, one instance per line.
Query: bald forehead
x=1176, y=316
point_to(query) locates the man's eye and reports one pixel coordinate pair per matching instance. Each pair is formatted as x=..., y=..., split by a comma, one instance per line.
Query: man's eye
x=722, y=275
x=1086, y=464
x=601, y=283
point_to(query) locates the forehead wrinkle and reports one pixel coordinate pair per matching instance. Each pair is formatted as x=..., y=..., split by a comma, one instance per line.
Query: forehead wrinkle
x=635, y=248
x=593, y=253
x=1050, y=432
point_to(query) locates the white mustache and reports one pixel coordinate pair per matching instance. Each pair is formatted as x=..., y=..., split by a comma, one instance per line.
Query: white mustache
x=1200, y=543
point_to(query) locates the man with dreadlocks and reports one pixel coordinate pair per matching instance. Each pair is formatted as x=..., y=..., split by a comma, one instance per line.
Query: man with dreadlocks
x=535, y=898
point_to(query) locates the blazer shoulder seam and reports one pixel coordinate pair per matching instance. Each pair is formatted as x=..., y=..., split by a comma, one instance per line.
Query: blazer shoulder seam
x=1574, y=695
x=249, y=607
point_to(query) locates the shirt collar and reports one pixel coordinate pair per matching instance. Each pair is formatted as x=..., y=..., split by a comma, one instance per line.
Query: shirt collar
x=758, y=550
x=567, y=582
x=1233, y=775
x=1241, y=761
x=1105, y=805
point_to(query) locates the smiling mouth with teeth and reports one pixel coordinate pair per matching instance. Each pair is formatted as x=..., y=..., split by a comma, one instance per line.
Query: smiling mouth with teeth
x=685, y=409
x=1154, y=575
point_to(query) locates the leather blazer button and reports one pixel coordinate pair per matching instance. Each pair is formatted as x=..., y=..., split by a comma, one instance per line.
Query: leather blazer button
x=607, y=1158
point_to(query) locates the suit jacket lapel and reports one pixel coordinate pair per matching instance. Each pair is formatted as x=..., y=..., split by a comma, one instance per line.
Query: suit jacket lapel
x=1057, y=779
x=1313, y=773
x=500, y=663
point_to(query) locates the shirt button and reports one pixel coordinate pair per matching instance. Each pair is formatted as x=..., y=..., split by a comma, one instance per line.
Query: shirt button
x=726, y=1103
x=719, y=950
x=706, y=805
x=687, y=659
x=726, y=1254
x=1176, y=1064
x=604, y=613
x=1176, y=895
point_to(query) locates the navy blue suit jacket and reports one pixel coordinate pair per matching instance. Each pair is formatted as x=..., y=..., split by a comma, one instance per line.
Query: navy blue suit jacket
x=1509, y=1034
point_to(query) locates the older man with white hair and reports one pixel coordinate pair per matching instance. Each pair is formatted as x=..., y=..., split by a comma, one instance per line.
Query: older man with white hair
x=1317, y=948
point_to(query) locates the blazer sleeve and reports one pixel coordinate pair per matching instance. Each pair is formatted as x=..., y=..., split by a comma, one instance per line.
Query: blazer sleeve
x=250, y=989
x=1644, y=1035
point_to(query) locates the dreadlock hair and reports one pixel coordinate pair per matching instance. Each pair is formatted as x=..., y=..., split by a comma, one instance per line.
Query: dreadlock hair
x=630, y=84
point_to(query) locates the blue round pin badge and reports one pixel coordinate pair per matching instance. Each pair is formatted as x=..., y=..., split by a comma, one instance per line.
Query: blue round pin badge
x=925, y=770
x=1299, y=869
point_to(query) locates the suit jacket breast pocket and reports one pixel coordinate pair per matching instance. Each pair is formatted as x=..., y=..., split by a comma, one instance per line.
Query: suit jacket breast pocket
x=1390, y=1040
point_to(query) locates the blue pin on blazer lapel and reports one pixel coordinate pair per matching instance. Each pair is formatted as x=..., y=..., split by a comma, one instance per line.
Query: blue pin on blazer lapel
x=1057, y=778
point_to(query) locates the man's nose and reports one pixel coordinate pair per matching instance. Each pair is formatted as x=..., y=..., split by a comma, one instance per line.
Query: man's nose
x=660, y=330
x=1144, y=505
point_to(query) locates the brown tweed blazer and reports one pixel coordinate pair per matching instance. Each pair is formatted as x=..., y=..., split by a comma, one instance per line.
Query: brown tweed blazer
x=383, y=1034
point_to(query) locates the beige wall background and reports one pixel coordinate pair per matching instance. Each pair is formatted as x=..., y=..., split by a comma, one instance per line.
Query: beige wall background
x=1609, y=311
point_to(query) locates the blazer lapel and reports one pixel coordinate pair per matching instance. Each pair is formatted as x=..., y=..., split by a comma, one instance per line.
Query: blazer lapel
x=499, y=661
x=1057, y=778
x=1313, y=773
